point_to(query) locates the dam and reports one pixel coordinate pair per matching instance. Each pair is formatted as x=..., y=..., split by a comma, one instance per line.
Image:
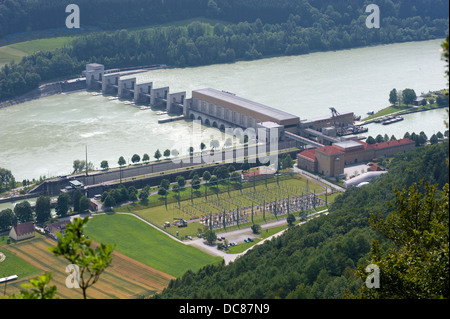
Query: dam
x=221, y=109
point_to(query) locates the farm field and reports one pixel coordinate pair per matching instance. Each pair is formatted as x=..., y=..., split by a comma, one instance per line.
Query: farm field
x=15, y=52
x=126, y=278
x=146, y=244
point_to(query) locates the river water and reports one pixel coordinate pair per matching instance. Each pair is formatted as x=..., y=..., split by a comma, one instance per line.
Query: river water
x=44, y=137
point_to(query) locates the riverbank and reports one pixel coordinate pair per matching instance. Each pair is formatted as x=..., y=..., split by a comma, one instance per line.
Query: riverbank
x=404, y=109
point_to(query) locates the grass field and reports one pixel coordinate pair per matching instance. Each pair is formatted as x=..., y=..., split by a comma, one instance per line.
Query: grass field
x=125, y=278
x=142, y=242
x=15, y=52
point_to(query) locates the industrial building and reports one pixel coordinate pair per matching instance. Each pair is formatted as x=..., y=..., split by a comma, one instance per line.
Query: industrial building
x=331, y=160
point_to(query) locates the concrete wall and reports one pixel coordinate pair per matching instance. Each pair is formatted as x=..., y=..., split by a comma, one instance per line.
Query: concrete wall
x=158, y=93
x=174, y=100
x=126, y=87
x=108, y=81
x=94, y=72
x=140, y=90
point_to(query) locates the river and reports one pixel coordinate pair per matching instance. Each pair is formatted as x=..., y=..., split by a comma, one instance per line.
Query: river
x=44, y=137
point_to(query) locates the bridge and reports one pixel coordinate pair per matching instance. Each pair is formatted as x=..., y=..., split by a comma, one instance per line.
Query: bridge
x=302, y=140
x=321, y=135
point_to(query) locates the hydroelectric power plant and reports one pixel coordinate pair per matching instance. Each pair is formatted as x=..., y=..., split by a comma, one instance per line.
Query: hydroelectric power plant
x=222, y=110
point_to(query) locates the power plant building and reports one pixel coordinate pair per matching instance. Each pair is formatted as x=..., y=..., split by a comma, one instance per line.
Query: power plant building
x=331, y=160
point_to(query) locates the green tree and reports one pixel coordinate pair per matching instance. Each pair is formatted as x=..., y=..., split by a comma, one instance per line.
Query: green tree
x=206, y=176
x=165, y=183
x=76, y=200
x=290, y=219
x=196, y=183
x=434, y=139
x=62, y=205
x=146, y=158
x=76, y=248
x=379, y=138
x=370, y=140
x=167, y=153
x=109, y=201
x=393, y=97
x=287, y=161
x=23, y=212
x=210, y=236
x=157, y=155
x=409, y=96
x=181, y=181
x=78, y=166
x=162, y=191
x=6, y=218
x=104, y=165
x=37, y=288
x=43, y=209
x=84, y=204
x=121, y=161
x=256, y=228
x=214, y=144
x=135, y=158
x=5, y=178
x=418, y=265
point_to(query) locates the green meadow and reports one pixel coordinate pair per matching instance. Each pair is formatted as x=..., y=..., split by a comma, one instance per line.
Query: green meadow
x=142, y=242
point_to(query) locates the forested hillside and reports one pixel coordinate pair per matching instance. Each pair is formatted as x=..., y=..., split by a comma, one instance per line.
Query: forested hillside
x=318, y=259
x=257, y=29
x=20, y=16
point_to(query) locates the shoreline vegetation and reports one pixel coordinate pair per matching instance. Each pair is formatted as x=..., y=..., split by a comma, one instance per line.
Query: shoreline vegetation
x=408, y=109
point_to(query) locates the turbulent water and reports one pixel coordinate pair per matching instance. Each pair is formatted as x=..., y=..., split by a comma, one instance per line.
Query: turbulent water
x=44, y=137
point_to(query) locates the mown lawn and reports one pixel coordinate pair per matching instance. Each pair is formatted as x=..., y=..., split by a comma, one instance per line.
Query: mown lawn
x=13, y=265
x=142, y=242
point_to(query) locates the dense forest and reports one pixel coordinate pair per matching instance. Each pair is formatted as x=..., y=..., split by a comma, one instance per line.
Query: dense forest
x=250, y=30
x=21, y=16
x=318, y=259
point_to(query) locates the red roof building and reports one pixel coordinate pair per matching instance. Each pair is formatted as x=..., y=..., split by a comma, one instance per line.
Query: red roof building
x=331, y=160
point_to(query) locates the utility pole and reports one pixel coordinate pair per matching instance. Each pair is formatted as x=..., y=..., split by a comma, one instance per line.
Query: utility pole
x=86, y=162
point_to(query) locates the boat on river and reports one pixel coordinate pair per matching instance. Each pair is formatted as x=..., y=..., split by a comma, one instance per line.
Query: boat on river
x=393, y=120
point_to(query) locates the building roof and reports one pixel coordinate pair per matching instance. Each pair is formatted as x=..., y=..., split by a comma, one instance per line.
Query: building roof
x=57, y=227
x=393, y=143
x=349, y=144
x=247, y=104
x=24, y=228
x=309, y=154
x=331, y=150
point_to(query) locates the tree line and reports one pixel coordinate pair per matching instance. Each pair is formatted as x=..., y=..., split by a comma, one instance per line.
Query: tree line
x=22, y=16
x=23, y=212
x=309, y=27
